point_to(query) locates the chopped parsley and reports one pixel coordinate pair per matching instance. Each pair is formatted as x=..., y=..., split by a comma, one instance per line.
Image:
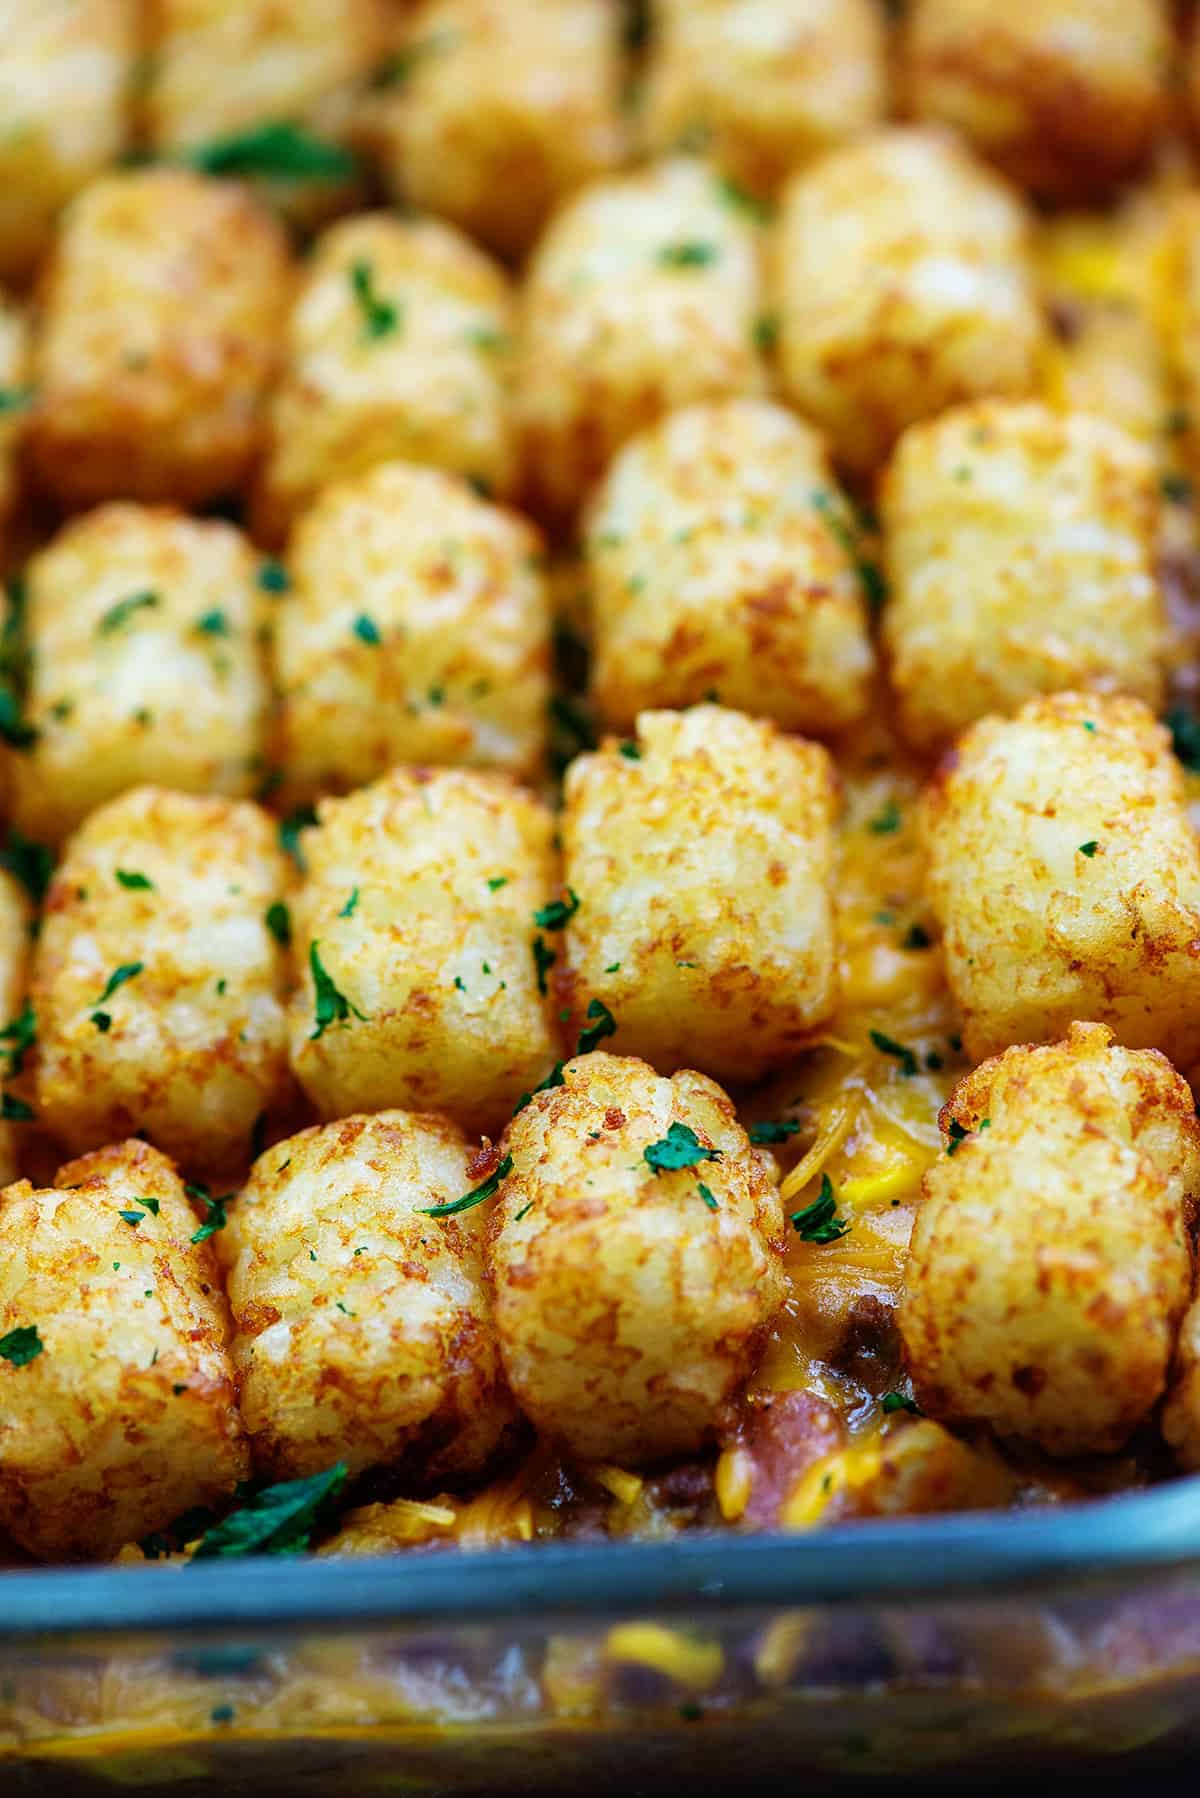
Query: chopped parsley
x=332, y=1006
x=132, y=1217
x=870, y=577
x=22, y=1345
x=819, y=1222
x=544, y=959
x=1184, y=727
x=31, y=863
x=553, y=1078
x=740, y=199
x=380, y=317
x=278, y=920
x=603, y=1024
x=367, y=631
x=213, y=624
x=886, y=821
x=134, y=882
x=706, y=1194
x=273, y=577
x=476, y=1196
x=690, y=254
x=119, y=615
x=278, y=149
x=216, y=1216
x=523, y=1212
x=768, y=1132
x=765, y=332
x=20, y=1033
x=127, y=971
x=350, y=906
x=303, y=818
x=917, y=937
x=496, y=882
x=15, y=399
x=1089, y=726
x=887, y=1045
x=558, y=914
x=896, y=1401
x=276, y=1521
x=631, y=752
x=13, y=728
x=15, y=1111
x=1089, y=849
x=679, y=1148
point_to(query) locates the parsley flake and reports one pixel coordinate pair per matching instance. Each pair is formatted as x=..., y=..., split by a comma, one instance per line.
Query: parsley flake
x=886, y=821
x=15, y=1111
x=1089, y=849
x=553, y=1078
x=20, y=1033
x=765, y=332
x=213, y=624
x=768, y=1132
x=691, y=254
x=957, y=1135
x=278, y=920
x=216, y=1216
x=15, y=399
x=819, y=1222
x=132, y=1217
x=544, y=959
x=13, y=728
x=119, y=615
x=134, y=882
x=707, y=1195
x=896, y=1401
x=380, y=316
x=603, y=1024
x=128, y=970
x=31, y=863
x=870, y=577
x=558, y=914
x=1184, y=727
x=273, y=577
x=917, y=937
x=887, y=1045
x=278, y=149
x=276, y=1521
x=631, y=752
x=496, y=882
x=22, y=1345
x=367, y=631
x=303, y=818
x=679, y=1148
x=332, y=1006
x=348, y=909
x=476, y=1196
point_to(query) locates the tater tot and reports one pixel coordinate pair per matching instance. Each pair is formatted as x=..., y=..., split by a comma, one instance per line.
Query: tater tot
x=632, y=1300
x=397, y=347
x=159, y=980
x=15, y=398
x=361, y=1325
x=500, y=109
x=66, y=69
x=1065, y=95
x=1050, y=1261
x=642, y=296
x=222, y=65
x=1066, y=876
x=417, y=630
x=163, y=302
x=126, y=1415
x=146, y=664
x=18, y=1023
x=1020, y=548
x=762, y=85
x=701, y=857
x=415, y=932
x=903, y=285
x=718, y=556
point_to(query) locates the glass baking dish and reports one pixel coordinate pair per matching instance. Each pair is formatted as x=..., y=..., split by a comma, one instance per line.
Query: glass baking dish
x=1065, y=1640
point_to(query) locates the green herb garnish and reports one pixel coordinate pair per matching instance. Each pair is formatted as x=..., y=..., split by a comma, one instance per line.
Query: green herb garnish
x=604, y=1024
x=691, y=254
x=119, y=615
x=380, y=316
x=887, y=1045
x=31, y=863
x=553, y=1078
x=886, y=821
x=20, y=1033
x=22, y=1345
x=679, y=1148
x=134, y=882
x=15, y=1111
x=273, y=577
x=278, y=920
x=303, y=818
x=216, y=1216
x=819, y=1222
x=332, y=1006
x=476, y=1196
x=367, y=631
x=350, y=906
x=277, y=1521
x=896, y=1401
x=558, y=914
x=767, y=1132
x=1089, y=849
x=213, y=624
x=544, y=959
x=278, y=149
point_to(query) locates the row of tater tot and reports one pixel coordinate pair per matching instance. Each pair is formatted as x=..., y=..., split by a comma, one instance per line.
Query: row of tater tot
x=413, y=620
x=490, y=112
x=177, y=355
x=625, y=1295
